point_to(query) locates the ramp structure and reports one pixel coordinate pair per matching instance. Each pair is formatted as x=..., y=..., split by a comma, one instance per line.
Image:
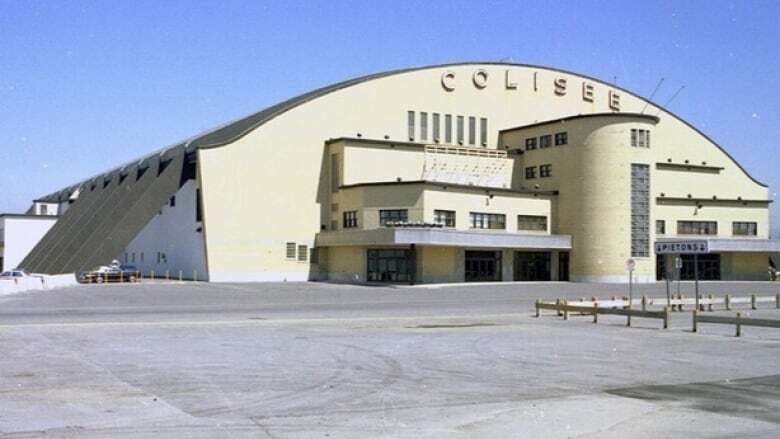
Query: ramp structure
x=109, y=211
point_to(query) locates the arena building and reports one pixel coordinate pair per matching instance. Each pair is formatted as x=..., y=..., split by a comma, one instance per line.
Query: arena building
x=448, y=173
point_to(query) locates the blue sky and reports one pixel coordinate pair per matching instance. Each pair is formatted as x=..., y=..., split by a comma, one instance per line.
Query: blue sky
x=87, y=85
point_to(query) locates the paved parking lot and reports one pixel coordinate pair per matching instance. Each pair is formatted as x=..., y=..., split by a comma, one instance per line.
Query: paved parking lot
x=323, y=360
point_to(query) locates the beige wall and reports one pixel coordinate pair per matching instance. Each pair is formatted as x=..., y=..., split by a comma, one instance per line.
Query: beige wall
x=265, y=189
x=592, y=173
x=421, y=200
x=744, y=266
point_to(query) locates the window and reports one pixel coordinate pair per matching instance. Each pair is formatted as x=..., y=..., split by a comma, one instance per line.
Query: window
x=460, y=130
x=435, y=121
x=410, y=123
x=172, y=201
x=423, y=126
x=390, y=217
x=447, y=128
x=536, y=223
x=350, y=219
x=198, y=207
x=44, y=209
x=640, y=138
x=530, y=172
x=444, y=217
x=290, y=250
x=472, y=130
x=303, y=253
x=561, y=138
x=545, y=171
x=530, y=143
x=335, y=177
x=697, y=228
x=483, y=131
x=487, y=220
x=739, y=228
x=545, y=141
x=660, y=227
x=390, y=265
x=640, y=210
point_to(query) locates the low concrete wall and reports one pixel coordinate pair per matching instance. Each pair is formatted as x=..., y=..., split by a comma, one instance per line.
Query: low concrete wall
x=37, y=282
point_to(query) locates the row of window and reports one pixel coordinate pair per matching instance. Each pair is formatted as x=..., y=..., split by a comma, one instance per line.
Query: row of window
x=640, y=138
x=544, y=172
x=302, y=254
x=738, y=228
x=545, y=141
x=436, y=128
x=162, y=258
x=446, y=218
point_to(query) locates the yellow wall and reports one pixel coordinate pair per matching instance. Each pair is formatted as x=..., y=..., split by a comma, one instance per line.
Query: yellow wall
x=265, y=188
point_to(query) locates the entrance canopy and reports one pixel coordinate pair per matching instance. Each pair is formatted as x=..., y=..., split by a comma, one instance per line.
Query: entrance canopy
x=442, y=237
x=735, y=245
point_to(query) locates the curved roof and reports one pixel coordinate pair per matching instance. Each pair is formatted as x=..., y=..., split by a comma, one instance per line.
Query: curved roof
x=647, y=117
x=232, y=131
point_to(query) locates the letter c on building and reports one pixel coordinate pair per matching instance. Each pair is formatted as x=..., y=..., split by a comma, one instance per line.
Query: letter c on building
x=448, y=80
x=480, y=78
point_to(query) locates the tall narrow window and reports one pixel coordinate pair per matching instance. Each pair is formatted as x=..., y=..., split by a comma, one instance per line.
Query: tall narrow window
x=423, y=126
x=410, y=123
x=290, y=250
x=350, y=219
x=660, y=227
x=198, y=207
x=460, y=130
x=335, y=177
x=483, y=131
x=640, y=210
x=303, y=253
x=435, y=122
x=447, y=128
x=472, y=130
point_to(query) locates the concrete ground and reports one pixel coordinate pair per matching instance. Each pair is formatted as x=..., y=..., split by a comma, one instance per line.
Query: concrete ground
x=321, y=360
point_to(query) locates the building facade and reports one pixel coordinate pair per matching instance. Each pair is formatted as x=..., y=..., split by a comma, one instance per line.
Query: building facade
x=462, y=172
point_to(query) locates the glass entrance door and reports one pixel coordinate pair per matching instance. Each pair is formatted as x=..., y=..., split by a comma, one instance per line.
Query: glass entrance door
x=532, y=266
x=483, y=266
x=709, y=267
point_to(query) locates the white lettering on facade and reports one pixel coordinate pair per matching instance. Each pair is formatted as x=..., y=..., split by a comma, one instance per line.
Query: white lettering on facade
x=560, y=86
x=614, y=100
x=480, y=79
x=587, y=91
x=448, y=80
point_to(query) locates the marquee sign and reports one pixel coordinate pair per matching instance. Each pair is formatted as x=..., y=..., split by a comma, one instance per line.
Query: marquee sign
x=682, y=247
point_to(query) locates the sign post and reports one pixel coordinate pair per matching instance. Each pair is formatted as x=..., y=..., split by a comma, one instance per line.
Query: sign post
x=678, y=268
x=694, y=247
x=630, y=266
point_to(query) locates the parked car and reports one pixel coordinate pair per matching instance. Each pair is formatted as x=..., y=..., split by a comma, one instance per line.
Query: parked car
x=111, y=273
x=13, y=274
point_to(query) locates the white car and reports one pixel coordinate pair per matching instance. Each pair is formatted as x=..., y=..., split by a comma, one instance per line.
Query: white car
x=13, y=274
